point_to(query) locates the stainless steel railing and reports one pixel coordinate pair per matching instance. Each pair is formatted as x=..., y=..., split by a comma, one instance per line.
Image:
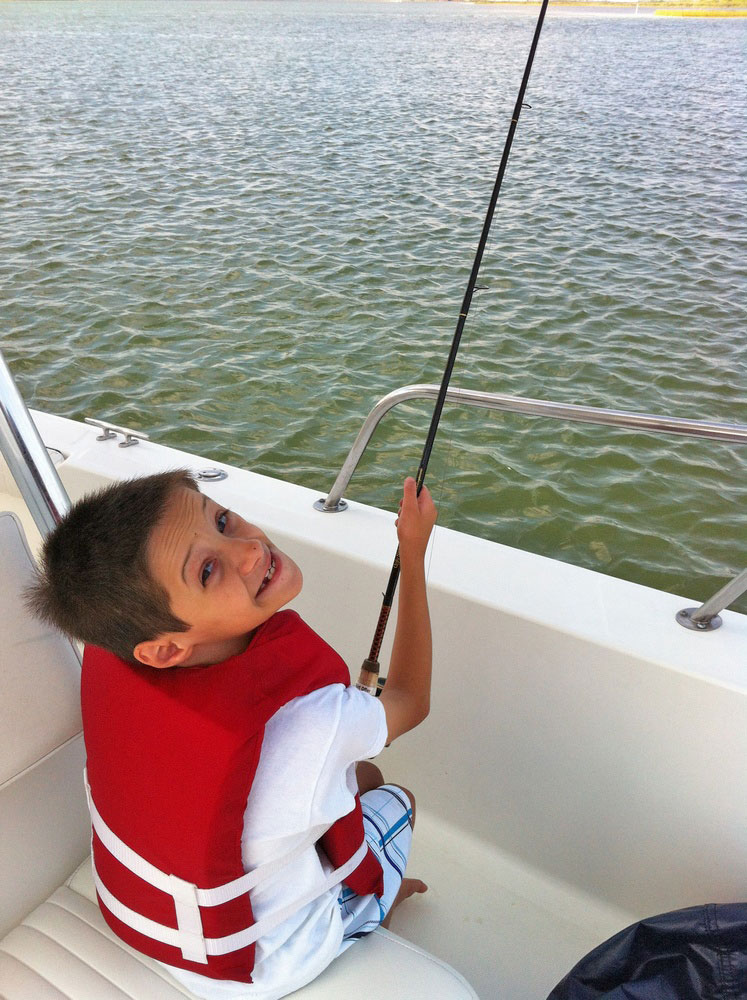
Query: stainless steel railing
x=518, y=404
x=705, y=618
x=27, y=458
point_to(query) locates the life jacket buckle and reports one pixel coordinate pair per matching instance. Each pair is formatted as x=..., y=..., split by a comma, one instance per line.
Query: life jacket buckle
x=188, y=919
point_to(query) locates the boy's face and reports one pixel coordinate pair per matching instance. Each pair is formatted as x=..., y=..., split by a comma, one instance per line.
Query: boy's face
x=223, y=575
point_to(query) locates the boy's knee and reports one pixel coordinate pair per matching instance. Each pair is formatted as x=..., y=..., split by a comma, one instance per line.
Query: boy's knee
x=368, y=776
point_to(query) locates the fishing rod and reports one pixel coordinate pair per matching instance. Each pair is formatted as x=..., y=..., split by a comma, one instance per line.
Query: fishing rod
x=369, y=675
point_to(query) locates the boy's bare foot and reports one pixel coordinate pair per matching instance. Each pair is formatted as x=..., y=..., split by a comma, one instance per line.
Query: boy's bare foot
x=408, y=888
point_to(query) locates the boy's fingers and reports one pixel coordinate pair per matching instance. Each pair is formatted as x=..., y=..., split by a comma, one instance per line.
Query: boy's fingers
x=422, y=501
x=425, y=500
x=409, y=493
x=420, y=505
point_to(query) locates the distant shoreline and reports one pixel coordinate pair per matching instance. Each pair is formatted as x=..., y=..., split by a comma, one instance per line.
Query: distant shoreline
x=703, y=8
x=726, y=6
x=673, y=8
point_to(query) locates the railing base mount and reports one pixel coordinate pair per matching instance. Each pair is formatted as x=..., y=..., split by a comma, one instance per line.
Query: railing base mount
x=685, y=618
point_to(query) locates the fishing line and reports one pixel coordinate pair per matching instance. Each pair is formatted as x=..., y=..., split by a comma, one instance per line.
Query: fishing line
x=368, y=679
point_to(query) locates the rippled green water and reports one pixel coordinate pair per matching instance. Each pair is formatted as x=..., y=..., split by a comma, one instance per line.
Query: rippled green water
x=236, y=225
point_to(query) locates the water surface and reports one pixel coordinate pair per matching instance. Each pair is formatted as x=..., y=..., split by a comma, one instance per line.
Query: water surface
x=236, y=225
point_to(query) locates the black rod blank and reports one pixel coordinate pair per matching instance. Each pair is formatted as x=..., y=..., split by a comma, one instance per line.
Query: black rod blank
x=370, y=668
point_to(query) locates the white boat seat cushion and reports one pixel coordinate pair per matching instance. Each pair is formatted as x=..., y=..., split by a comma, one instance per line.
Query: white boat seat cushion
x=39, y=671
x=64, y=951
x=44, y=826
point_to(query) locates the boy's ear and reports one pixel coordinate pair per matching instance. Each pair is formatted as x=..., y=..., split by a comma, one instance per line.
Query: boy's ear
x=161, y=652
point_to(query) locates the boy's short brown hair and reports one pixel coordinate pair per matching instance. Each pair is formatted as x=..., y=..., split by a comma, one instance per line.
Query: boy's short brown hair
x=94, y=583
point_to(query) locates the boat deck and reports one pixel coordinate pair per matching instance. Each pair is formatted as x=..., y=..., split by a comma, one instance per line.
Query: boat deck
x=511, y=931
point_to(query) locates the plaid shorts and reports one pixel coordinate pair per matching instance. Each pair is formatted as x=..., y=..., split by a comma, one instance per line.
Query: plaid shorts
x=387, y=821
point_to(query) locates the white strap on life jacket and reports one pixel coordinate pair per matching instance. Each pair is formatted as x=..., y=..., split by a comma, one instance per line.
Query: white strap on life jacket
x=188, y=898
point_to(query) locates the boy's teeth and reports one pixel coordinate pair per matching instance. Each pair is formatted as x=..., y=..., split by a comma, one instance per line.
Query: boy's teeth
x=268, y=575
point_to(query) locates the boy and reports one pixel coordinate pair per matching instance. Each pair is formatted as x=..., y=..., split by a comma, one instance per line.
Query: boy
x=223, y=738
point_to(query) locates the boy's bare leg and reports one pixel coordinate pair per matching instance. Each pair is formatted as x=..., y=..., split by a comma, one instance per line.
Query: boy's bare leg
x=408, y=888
x=409, y=885
x=368, y=775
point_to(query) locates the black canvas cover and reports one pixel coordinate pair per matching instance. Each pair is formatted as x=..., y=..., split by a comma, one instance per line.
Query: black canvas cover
x=695, y=954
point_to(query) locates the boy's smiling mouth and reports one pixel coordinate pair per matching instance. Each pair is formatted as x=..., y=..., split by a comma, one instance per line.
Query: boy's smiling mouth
x=268, y=575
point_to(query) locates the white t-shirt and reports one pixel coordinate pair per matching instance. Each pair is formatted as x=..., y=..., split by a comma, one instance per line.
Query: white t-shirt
x=305, y=780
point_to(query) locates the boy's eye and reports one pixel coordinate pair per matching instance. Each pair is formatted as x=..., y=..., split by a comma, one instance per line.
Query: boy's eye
x=221, y=521
x=207, y=569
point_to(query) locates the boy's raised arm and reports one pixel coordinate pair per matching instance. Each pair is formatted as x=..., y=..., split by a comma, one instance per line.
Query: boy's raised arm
x=406, y=697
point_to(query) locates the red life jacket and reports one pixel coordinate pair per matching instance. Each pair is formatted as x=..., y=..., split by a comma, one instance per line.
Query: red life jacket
x=172, y=755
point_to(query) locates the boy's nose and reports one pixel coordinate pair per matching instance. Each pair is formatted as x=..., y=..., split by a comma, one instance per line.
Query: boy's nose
x=248, y=553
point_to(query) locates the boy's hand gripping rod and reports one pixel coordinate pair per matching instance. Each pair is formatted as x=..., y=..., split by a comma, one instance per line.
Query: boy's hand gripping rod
x=369, y=675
